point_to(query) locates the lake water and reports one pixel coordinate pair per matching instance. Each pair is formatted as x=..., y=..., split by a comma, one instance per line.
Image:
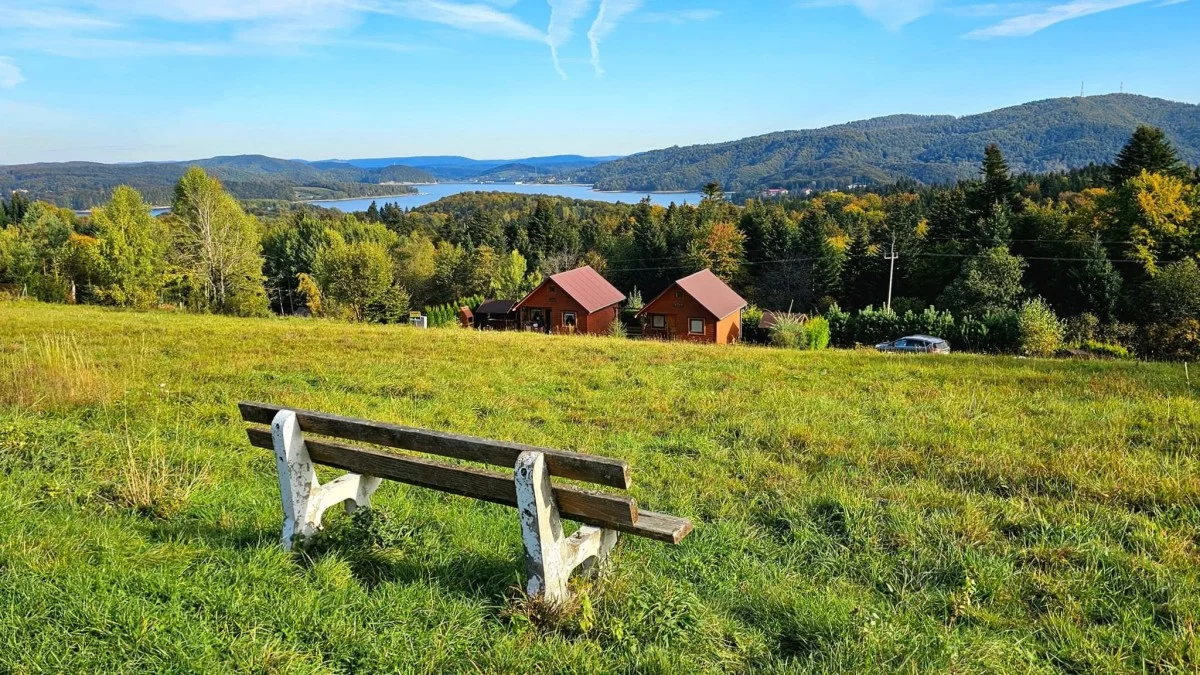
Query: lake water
x=432, y=193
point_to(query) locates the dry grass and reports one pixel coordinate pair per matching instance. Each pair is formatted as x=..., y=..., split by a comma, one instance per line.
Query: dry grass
x=154, y=486
x=50, y=373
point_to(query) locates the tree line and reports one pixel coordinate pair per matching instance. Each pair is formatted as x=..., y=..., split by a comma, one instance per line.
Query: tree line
x=1112, y=250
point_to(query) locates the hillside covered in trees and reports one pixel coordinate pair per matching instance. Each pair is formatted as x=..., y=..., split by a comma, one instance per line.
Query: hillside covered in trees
x=1042, y=136
x=1102, y=256
x=81, y=185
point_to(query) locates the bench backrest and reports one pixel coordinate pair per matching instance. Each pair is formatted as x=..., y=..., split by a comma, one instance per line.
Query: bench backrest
x=619, y=512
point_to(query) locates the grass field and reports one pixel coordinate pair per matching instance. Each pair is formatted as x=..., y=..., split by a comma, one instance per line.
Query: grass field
x=854, y=511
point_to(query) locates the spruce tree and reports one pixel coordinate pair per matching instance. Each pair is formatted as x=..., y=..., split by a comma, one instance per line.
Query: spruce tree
x=822, y=260
x=863, y=280
x=1147, y=150
x=997, y=183
x=1093, y=284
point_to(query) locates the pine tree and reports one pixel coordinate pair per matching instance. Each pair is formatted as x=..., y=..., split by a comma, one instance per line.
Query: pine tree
x=1147, y=150
x=1093, y=283
x=862, y=275
x=997, y=183
x=824, y=262
x=373, y=212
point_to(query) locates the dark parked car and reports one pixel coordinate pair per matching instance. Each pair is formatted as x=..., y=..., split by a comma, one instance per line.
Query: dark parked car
x=916, y=344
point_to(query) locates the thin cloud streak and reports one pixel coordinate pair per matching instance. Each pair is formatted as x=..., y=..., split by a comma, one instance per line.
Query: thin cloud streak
x=563, y=15
x=893, y=14
x=680, y=16
x=10, y=74
x=475, y=18
x=54, y=19
x=607, y=19
x=1028, y=24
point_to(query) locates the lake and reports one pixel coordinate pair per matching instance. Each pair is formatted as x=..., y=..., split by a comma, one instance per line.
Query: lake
x=434, y=192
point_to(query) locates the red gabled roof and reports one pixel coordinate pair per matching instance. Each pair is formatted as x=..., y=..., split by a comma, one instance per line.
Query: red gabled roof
x=708, y=290
x=586, y=287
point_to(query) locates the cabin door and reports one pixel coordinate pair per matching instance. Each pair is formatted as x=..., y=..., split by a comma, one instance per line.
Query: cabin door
x=537, y=318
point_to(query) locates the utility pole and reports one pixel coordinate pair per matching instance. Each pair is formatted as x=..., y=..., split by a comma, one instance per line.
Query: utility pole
x=891, y=257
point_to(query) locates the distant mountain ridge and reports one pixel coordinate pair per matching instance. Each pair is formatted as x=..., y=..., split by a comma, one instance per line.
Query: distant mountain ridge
x=455, y=167
x=82, y=185
x=1048, y=135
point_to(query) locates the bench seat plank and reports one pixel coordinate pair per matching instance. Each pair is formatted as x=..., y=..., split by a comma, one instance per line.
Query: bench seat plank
x=602, y=510
x=572, y=465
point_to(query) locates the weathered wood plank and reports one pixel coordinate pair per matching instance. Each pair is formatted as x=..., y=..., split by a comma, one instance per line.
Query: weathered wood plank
x=612, y=511
x=572, y=465
x=660, y=526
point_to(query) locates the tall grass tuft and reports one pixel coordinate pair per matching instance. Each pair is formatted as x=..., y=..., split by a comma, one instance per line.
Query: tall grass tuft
x=153, y=486
x=53, y=372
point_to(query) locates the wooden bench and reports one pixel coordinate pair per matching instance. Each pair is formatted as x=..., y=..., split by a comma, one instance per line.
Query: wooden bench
x=550, y=556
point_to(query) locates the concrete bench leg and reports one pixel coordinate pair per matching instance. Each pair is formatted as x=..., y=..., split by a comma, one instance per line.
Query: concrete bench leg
x=304, y=498
x=549, y=556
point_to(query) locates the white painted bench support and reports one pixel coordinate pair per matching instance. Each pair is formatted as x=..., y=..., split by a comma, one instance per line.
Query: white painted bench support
x=549, y=556
x=304, y=498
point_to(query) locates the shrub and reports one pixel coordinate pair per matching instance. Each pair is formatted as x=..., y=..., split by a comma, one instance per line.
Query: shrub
x=1041, y=333
x=391, y=306
x=616, y=329
x=788, y=331
x=816, y=333
x=751, y=317
x=446, y=315
x=634, y=302
x=309, y=292
x=1104, y=349
x=839, y=326
x=1080, y=328
x=1177, y=341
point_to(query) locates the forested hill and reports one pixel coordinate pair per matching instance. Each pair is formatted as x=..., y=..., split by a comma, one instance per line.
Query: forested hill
x=1050, y=135
x=82, y=185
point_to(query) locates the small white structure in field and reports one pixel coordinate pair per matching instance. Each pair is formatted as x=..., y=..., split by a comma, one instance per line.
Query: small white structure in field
x=305, y=500
x=549, y=556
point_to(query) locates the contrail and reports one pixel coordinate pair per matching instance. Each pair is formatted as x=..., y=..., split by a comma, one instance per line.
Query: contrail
x=610, y=14
x=563, y=13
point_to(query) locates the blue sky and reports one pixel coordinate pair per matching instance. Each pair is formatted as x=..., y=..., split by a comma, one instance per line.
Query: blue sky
x=129, y=80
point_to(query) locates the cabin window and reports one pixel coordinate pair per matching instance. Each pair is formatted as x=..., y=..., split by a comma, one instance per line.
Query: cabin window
x=569, y=319
x=553, y=288
x=678, y=294
x=658, y=321
x=696, y=326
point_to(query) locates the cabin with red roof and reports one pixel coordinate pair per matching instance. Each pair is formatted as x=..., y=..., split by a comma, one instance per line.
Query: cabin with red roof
x=700, y=308
x=576, y=301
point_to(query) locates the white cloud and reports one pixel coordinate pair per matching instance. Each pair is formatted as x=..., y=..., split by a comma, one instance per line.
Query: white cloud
x=563, y=15
x=893, y=14
x=10, y=74
x=607, y=19
x=54, y=19
x=1028, y=24
x=680, y=16
x=475, y=18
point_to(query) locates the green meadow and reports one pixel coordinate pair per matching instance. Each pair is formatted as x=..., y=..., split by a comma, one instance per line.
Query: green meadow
x=853, y=511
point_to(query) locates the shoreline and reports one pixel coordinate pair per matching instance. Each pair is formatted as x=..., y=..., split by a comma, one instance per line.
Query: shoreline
x=354, y=199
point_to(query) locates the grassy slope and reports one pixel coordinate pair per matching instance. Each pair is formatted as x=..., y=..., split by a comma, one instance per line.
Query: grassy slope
x=854, y=511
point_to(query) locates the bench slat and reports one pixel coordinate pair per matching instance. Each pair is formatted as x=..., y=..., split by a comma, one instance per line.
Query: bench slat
x=617, y=512
x=572, y=465
x=660, y=526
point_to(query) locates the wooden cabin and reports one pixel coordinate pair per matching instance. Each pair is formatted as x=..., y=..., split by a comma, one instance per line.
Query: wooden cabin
x=576, y=301
x=699, y=308
x=496, y=315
